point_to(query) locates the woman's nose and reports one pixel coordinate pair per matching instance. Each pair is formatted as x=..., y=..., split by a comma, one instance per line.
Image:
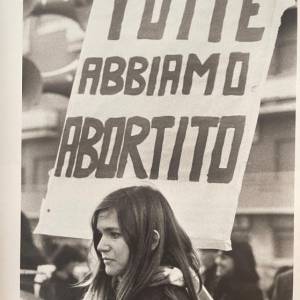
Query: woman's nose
x=103, y=245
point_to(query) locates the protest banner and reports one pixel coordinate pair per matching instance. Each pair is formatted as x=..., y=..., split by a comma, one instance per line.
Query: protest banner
x=167, y=93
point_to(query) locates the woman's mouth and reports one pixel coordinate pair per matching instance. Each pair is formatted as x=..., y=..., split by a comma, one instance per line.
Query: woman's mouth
x=107, y=260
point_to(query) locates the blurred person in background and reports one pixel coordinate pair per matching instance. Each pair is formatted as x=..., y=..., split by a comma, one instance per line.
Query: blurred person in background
x=238, y=278
x=277, y=273
x=283, y=286
x=208, y=268
x=30, y=256
x=62, y=284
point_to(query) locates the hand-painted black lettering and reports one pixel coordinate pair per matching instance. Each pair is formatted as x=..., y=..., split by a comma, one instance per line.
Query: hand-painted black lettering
x=114, y=76
x=66, y=146
x=134, y=75
x=177, y=150
x=225, y=175
x=109, y=170
x=85, y=147
x=153, y=75
x=160, y=123
x=185, y=26
x=168, y=75
x=117, y=19
x=130, y=146
x=244, y=32
x=234, y=58
x=90, y=71
x=203, y=124
x=217, y=20
x=195, y=65
x=148, y=29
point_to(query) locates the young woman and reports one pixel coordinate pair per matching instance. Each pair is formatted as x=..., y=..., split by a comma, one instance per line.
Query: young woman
x=135, y=233
x=237, y=274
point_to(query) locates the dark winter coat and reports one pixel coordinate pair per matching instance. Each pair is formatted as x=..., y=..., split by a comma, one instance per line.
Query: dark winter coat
x=163, y=292
x=235, y=289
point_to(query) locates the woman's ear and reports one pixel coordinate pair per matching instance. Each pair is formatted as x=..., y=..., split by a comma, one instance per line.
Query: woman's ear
x=155, y=240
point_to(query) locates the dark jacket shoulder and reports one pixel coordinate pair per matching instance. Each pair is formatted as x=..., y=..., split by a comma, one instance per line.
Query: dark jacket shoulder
x=283, y=288
x=230, y=288
x=163, y=292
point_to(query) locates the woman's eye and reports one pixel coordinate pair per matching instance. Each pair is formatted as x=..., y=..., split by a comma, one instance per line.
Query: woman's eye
x=115, y=235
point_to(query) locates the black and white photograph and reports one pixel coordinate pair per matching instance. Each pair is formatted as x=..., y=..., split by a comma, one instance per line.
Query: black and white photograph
x=157, y=150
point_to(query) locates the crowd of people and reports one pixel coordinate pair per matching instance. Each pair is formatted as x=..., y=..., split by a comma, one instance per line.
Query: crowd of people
x=143, y=253
x=53, y=277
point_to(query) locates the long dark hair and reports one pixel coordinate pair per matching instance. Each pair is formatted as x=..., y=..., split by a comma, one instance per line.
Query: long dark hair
x=140, y=211
x=244, y=261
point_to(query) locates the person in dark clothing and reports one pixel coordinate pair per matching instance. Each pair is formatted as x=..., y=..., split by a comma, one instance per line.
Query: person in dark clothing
x=283, y=287
x=209, y=268
x=238, y=278
x=135, y=233
x=282, y=269
x=61, y=285
x=210, y=278
x=163, y=292
x=159, y=292
x=30, y=256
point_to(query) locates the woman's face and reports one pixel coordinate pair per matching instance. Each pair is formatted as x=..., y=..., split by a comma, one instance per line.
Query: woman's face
x=112, y=246
x=225, y=264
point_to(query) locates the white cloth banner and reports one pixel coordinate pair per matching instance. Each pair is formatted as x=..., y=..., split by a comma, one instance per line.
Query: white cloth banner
x=167, y=94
